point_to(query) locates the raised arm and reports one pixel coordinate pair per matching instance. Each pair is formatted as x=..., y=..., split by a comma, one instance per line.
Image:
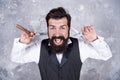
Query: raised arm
x=24, y=49
x=93, y=45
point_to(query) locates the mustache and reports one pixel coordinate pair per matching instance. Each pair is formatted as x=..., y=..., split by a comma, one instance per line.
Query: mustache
x=58, y=37
x=58, y=48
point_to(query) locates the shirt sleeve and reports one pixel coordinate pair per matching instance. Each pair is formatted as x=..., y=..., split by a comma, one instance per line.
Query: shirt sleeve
x=97, y=49
x=22, y=53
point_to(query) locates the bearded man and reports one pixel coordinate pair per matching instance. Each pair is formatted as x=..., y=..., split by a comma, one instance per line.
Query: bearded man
x=60, y=57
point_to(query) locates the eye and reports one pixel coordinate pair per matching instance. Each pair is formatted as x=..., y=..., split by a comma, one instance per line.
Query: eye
x=51, y=27
x=63, y=27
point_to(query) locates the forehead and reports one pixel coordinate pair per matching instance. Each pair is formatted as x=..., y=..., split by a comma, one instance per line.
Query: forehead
x=62, y=21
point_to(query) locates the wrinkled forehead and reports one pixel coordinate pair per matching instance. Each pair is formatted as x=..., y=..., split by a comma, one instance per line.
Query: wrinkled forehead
x=62, y=21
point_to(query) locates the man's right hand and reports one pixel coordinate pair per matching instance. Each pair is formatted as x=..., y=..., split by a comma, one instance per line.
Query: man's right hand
x=27, y=38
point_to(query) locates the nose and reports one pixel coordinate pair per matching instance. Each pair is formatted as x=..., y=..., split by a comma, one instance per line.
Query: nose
x=57, y=32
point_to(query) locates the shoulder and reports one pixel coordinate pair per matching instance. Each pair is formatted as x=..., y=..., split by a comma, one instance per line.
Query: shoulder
x=45, y=40
x=73, y=39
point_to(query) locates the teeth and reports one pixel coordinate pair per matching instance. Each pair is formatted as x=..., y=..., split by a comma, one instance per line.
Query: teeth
x=57, y=40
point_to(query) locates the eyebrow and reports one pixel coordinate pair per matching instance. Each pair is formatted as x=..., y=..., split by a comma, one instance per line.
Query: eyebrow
x=51, y=26
x=63, y=25
x=54, y=26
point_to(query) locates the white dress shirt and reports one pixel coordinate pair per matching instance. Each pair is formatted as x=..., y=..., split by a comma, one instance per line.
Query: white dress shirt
x=22, y=53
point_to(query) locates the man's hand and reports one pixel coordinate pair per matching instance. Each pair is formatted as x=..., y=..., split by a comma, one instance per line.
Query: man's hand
x=89, y=34
x=27, y=38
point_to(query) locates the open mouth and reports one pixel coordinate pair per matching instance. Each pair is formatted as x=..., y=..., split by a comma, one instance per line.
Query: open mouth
x=58, y=44
x=58, y=41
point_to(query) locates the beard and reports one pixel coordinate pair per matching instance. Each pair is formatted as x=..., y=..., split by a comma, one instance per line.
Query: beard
x=57, y=49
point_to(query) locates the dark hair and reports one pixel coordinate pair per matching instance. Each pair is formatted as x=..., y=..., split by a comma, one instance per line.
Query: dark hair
x=58, y=13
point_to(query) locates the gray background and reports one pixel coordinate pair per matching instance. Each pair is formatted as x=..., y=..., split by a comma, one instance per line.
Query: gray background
x=104, y=15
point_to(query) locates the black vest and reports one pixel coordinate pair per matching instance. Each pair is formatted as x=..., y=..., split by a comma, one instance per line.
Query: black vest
x=70, y=66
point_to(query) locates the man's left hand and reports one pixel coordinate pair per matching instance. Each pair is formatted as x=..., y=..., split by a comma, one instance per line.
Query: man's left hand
x=89, y=34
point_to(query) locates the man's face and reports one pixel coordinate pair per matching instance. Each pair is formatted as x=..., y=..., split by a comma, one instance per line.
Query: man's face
x=57, y=28
x=58, y=32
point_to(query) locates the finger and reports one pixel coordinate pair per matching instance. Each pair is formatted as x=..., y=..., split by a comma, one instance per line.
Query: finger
x=92, y=28
x=82, y=30
x=32, y=37
x=86, y=29
x=32, y=34
x=25, y=35
x=89, y=29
